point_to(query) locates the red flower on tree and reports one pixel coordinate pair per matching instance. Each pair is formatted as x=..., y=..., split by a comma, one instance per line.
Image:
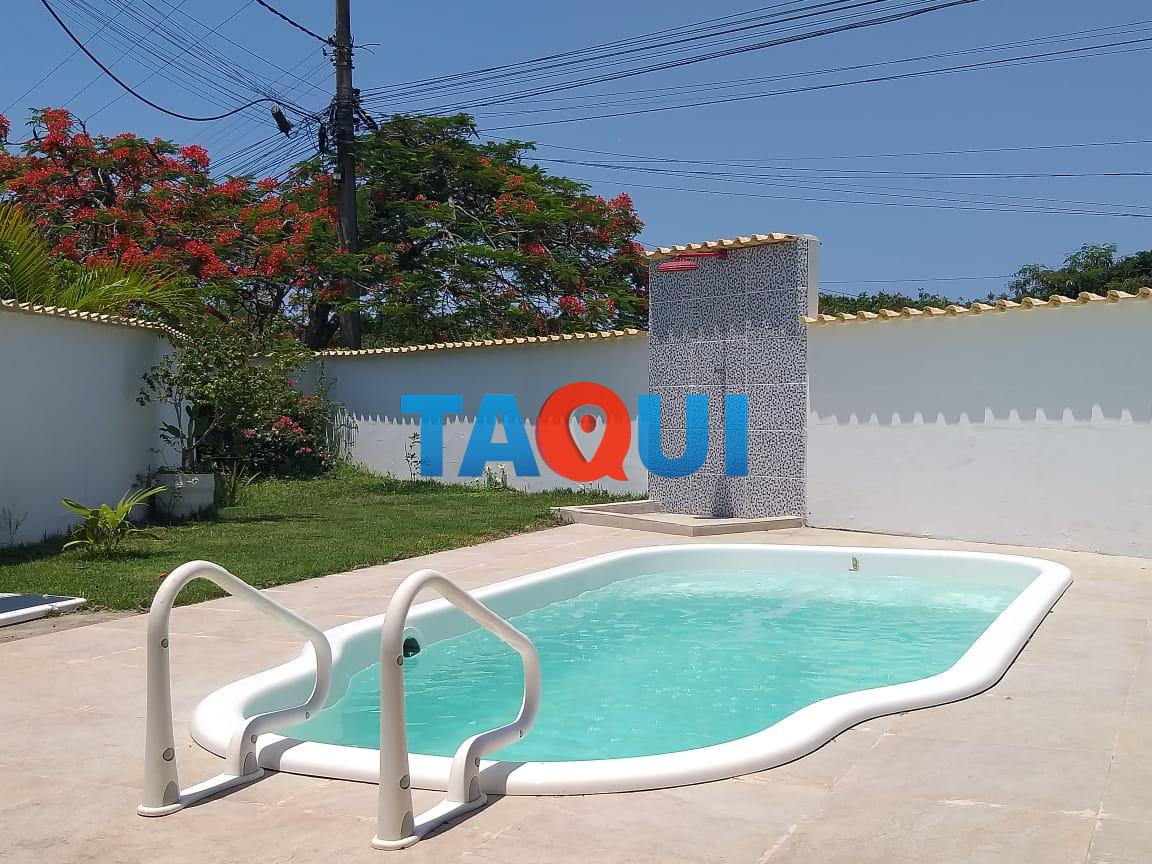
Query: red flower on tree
x=259, y=248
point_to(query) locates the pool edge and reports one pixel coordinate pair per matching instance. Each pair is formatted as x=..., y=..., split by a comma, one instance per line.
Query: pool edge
x=806, y=730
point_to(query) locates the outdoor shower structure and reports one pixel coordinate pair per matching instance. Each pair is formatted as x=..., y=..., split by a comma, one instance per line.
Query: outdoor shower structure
x=725, y=319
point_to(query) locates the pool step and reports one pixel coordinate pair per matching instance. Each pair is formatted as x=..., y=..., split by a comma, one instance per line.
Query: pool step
x=648, y=516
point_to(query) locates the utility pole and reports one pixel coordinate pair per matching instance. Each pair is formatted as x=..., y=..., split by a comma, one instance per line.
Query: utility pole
x=346, y=161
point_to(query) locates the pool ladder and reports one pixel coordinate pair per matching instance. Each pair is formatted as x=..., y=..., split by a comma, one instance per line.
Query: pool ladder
x=397, y=827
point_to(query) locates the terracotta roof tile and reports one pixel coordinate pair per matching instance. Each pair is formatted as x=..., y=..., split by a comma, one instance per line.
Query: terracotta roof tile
x=717, y=245
x=1056, y=301
x=483, y=343
x=92, y=317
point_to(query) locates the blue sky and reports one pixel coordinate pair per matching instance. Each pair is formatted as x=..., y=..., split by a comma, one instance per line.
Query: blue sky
x=1095, y=99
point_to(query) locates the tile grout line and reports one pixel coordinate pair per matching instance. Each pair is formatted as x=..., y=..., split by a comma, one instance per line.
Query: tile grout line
x=779, y=844
x=871, y=747
x=1115, y=750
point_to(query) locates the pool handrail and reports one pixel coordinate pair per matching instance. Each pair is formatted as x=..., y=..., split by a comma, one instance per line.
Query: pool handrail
x=396, y=827
x=162, y=792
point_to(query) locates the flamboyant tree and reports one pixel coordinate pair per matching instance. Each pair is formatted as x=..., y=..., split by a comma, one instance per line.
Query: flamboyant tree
x=469, y=239
x=460, y=239
x=30, y=273
x=257, y=249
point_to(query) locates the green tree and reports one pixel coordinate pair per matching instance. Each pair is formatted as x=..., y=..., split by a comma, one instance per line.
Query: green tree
x=834, y=304
x=1092, y=268
x=463, y=239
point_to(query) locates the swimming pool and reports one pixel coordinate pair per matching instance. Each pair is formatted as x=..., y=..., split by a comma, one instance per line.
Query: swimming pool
x=665, y=665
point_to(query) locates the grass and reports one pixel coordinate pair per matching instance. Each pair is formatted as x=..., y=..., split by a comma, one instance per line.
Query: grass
x=288, y=530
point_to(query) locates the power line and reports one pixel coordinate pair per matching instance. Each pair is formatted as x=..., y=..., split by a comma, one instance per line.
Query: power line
x=201, y=82
x=200, y=72
x=131, y=91
x=897, y=192
x=193, y=54
x=709, y=25
x=131, y=47
x=899, y=155
x=600, y=61
x=846, y=173
x=151, y=75
x=985, y=207
x=242, y=119
x=242, y=70
x=900, y=281
x=553, y=88
x=715, y=35
x=234, y=129
x=646, y=95
x=1044, y=57
x=296, y=24
x=59, y=65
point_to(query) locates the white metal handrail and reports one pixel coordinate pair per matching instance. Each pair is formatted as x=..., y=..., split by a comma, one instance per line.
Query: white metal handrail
x=396, y=827
x=162, y=792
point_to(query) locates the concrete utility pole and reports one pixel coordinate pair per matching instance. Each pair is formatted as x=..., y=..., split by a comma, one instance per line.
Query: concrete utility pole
x=346, y=159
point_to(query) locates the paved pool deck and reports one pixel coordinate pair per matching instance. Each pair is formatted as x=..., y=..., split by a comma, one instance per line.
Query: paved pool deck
x=1052, y=765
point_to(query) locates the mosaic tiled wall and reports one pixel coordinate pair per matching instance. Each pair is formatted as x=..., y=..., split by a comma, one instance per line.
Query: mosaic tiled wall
x=731, y=326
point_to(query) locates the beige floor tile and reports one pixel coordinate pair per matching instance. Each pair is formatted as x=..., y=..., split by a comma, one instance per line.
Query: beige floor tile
x=1128, y=793
x=1140, y=695
x=1065, y=622
x=56, y=686
x=1034, y=705
x=712, y=822
x=877, y=828
x=1031, y=720
x=1120, y=842
x=825, y=766
x=82, y=617
x=1026, y=777
x=1087, y=655
x=84, y=643
x=1135, y=737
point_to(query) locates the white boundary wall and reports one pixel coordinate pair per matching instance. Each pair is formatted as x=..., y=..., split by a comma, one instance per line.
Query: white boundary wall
x=370, y=386
x=1030, y=427
x=69, y=422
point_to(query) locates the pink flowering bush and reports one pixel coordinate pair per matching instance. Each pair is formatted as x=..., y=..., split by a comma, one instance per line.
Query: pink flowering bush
x=293, y=444
x=238, y=407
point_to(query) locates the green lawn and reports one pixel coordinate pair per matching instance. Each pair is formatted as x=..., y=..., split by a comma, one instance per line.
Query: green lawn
x=288, y=530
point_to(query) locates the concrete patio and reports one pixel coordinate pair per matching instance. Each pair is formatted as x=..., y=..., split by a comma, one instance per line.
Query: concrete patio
x=1052, y=765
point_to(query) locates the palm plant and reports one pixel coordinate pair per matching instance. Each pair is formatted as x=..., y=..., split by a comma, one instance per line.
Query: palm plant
x=30, y=273
x=104, y=528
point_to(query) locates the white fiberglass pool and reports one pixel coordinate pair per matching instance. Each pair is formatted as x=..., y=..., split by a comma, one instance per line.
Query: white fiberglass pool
x=662, y=666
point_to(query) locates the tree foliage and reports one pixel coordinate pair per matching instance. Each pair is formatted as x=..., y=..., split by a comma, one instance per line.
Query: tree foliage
x=470, y=239
x=254, y=250
x=461, y=239
x=30, y=273
x=1096, y=269
x=834, y=304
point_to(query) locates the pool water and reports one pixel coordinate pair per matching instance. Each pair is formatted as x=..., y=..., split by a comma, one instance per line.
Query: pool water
x=674, y=661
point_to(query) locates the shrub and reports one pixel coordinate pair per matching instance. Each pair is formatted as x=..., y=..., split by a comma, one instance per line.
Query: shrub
x=237, y=407
x=293, y=444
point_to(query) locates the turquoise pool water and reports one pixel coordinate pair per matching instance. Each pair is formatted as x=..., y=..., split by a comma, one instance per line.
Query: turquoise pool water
x=674, y=661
